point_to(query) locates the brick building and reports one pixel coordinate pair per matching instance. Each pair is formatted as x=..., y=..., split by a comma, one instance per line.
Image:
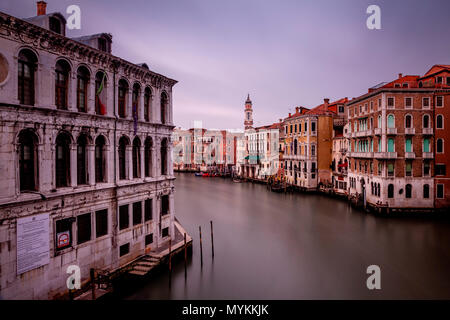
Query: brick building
x=392, y=143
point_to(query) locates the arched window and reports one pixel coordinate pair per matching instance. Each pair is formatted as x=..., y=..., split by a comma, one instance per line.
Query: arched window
x=379, y=188
x=123, y=172
x=391, y=145
x=408, y=191
x=426, y=121
x=390, y=190
x=164, y=157
x=82, y=160
x=390, y=121
x=295, y=146
x=62, y=160
x=439, y=146
x=100, y=161
x=135, y=100
x=136, y=158
x=123, y=93
x=426, y=191
x=408, y=121
x=164, y=101
x=439, y=122
x=148, y=157
x=100, y=93
x=62, y=70
x=147, y=104
x=26, y=70
x=426, y=145
x=379, y=121
x=82, y=85
x=28, y=160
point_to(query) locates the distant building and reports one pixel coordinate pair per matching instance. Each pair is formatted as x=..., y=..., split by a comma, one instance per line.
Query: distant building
x=308, y=151
x=204, y=149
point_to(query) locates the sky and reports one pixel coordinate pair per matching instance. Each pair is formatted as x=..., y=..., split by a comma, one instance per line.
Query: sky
x=283, y=53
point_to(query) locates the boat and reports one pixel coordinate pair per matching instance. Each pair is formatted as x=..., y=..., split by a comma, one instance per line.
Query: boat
x=198, y=174
x=206, y=174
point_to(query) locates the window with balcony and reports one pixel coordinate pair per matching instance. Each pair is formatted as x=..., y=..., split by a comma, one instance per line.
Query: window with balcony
x=408, y=121
x=391, y=145
x=408, y=145
x=426, y=121
x=391, y=121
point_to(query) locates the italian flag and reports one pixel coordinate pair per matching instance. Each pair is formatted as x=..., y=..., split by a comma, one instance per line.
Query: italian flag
x=97, y=96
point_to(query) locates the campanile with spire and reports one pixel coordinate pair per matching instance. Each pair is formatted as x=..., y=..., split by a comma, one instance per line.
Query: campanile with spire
x=248, y=121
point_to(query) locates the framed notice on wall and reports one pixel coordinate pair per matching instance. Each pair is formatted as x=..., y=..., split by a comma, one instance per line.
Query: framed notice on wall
x=33, y=246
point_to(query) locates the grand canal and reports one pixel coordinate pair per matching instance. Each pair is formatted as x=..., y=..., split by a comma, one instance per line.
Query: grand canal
x=296, y=246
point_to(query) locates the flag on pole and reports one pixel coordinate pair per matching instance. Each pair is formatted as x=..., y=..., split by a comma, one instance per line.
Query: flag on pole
x=102, y=107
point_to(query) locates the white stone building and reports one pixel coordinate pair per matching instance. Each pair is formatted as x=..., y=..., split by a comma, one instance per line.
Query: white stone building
x=86, y=148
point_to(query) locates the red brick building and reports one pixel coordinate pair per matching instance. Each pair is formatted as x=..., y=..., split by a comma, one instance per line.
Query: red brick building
x=393, y=143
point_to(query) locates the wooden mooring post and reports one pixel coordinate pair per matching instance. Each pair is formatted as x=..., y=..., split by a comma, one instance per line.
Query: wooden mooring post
x=212, y=239
x=185, y=257
x=92, y=273
x=201, y=248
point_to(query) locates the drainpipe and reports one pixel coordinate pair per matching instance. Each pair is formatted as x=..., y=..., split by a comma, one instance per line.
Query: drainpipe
x=114, y=214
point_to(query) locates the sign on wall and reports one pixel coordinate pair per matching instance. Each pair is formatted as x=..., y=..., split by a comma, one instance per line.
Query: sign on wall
x=33, y=246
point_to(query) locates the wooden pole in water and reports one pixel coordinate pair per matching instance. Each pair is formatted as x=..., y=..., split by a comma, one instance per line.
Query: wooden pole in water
x=201, y=248
x=92, y=272
x=185, y=256
x=212, y=239
x=170, y=255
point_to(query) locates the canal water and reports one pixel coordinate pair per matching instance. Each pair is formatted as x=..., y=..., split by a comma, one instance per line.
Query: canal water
x=298, y=246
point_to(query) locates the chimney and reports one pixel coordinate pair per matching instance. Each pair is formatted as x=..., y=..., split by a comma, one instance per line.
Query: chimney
x=41, y=8
x=296, y=109
x=400, y=75
x=289, y=114
x=326, y=101
x=281, y=120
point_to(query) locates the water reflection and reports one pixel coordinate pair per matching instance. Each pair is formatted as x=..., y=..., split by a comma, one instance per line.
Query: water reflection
x=295, y=246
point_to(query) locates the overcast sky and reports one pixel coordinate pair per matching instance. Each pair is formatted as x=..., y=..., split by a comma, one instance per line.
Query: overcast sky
x=284, y=53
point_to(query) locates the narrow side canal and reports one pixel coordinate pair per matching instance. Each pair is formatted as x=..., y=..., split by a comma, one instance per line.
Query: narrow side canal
x=298, y=246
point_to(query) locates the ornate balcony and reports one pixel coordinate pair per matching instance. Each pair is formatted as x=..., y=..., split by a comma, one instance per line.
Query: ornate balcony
x=410, y=131
x=385, y=155
x=391, y=131
x=377, y=131
x=361, y=154
x=410, y=155
x=428, y=131
x=427, y=155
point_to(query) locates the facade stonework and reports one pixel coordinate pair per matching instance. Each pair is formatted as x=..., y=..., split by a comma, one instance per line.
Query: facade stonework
x=104, y=176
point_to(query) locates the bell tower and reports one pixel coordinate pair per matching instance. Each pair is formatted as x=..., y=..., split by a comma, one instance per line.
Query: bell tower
x=248, y=120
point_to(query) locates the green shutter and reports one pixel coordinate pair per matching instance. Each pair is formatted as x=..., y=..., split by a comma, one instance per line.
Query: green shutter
x=426, y=145
x=408, y=145
x=391, y=145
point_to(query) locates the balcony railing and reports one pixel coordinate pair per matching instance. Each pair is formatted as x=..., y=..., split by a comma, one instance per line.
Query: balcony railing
x=410, y=155
x=410, y=131
x=361, y=154
x=377, y=131
x=427, y=155
x=391, y=130
x=427, y=130
x=385, y=155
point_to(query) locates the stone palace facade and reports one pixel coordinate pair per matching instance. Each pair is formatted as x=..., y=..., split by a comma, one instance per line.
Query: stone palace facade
x=86, y=148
